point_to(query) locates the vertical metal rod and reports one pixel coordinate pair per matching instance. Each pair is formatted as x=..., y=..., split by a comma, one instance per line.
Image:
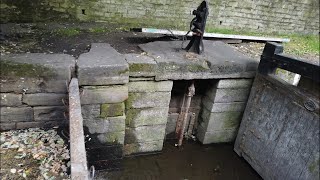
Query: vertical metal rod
x=191, y=125
x=191, y=92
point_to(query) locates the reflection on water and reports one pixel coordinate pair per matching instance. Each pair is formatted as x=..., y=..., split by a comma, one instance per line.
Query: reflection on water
x=192, y=162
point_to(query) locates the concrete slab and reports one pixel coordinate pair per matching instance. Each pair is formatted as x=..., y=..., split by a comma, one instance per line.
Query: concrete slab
x=219, y=60
x=102, y=65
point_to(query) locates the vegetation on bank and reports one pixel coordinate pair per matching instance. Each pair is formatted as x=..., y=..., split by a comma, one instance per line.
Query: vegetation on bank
x=299, y=43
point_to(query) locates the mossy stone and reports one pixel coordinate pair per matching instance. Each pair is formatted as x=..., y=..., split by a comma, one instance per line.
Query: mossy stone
x=111, y=110
x=13, y=69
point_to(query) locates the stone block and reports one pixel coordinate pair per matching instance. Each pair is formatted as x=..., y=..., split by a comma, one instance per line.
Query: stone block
x=222, y=107
x=208, y=137
x=112, y=137
x=134, y=79
x=145, y=134
x=37, y=124
x=104, y=94
x=7, y=126
x=90, y=112
x=141, y=65
x=234, y=83
x=137, y=148
x=228, y=95
x=146, y=100
x=110, y=124
x=50, y=113
x=221, y=120
x=171, y=123
x=147, y=116
x=44, y=99
x=218, y=60
x=111, y=110
x=16, y=114
x=10, y=99
x=102, y=65
x=35, y=72
x=33, y=85
x=150, y=86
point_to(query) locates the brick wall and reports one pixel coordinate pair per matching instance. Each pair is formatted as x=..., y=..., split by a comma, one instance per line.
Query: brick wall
x=269, y=16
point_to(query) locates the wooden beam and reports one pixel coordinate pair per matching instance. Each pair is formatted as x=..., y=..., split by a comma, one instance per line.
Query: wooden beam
x=211, y=35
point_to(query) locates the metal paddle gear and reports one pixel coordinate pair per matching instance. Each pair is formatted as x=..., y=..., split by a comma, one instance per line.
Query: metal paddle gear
x=197, y=26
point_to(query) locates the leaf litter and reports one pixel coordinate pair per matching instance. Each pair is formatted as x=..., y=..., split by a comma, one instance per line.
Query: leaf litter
x=33, y=154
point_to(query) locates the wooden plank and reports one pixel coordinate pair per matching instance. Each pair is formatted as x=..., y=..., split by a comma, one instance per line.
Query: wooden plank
x=211, y=35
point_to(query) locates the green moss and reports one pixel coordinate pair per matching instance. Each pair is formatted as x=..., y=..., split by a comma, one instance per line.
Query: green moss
x=13, y=69
x=130, y=115
x=111, y=110
x=132, y=97
x=99, y=30
x=115, y=137
x=232, y=119
x=197, y=68
x=314, y=166
x=141, y=68
x=67, y=32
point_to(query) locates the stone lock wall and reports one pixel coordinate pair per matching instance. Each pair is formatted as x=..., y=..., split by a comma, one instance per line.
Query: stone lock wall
x=34, y=94
x=222, y=110
x=126, y=110
x=263, y=16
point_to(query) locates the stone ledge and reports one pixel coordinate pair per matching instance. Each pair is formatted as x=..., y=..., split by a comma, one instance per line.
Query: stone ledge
x=219, y=60
x=35, y=72
x=141, y=65
x=102, y=65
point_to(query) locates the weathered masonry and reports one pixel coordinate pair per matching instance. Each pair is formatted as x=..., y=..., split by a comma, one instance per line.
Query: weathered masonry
x=270, y=15
x=129, y=103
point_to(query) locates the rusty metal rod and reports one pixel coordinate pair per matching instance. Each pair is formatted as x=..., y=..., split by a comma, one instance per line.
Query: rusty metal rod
x=191, y=92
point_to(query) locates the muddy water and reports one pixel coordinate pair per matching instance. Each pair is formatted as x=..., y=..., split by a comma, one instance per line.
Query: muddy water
x=192, y=162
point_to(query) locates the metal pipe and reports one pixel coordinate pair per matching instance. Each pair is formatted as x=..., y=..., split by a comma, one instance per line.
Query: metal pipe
x=191, y=93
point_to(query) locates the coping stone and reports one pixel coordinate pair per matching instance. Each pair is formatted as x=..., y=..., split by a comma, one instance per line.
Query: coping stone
x=141, y=65
x=36, y=72
x=102, y=65
x=218, y=60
